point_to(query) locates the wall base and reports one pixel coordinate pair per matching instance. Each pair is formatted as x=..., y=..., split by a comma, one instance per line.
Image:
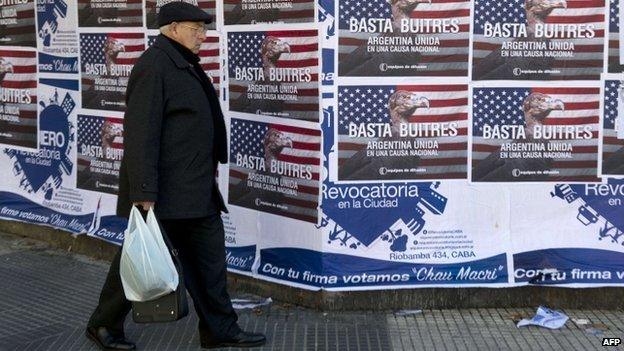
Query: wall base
x=425, y=298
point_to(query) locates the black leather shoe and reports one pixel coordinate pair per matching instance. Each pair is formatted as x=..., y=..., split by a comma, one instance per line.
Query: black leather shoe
x=242, y=339
x=107, y=341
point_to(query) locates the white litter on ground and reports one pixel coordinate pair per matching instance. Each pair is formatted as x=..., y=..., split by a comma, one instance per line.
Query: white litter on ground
x=547, y=318
x=240, y=304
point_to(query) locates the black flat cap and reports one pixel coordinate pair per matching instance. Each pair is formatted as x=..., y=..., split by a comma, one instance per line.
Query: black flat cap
x=180, y=11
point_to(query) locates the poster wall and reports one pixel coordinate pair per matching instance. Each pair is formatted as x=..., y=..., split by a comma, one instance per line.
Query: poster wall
x=274, y=73
x=614, y=64
x=40, y=186
x=106, y=60
x=100, y=150
x=57, y=37
x=402, y=132
x=613, y=128
x=535, y=134
x=275, y=168
x=534, y=40
x=583, y=249
x=110, y=13
x=268, y=11
x=372, y=145
x=17, y=23
x=18, y=94
x=421, y=235
x=152, y=8
x=395, y=38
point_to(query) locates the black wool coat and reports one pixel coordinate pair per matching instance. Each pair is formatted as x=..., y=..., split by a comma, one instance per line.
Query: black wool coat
x=170, y=156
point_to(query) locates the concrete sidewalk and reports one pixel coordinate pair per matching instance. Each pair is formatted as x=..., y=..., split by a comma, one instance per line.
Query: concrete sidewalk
x=46, y=296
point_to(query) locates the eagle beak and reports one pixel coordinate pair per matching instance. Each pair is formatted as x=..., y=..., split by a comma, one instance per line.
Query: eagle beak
x=558, y=4
x=557, y=105
x=289, y=143
x=415, y=2
x=286, y=48
x=421, y=101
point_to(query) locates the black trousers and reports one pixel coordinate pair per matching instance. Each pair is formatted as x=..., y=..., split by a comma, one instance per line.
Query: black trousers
x=201, y=246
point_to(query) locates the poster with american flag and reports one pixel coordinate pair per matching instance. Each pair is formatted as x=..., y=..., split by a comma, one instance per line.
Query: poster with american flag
x=405, y=132
x=274, y=73
x=17, y=23
x=538, y=39
x=268, y=11
x=106, y=60
x=403, y=38
x=613, y=128
x=100, y=150
x=535, y=134
x=18, y=98
x=209, y=57
x=110, y=13
x=275, y=168
x=152, y=8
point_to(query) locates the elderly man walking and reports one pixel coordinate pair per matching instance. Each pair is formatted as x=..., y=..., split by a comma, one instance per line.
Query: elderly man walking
x=174, y=135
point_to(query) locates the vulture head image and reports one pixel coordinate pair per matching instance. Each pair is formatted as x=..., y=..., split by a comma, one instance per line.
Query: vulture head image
x=109, y=132
x=402, y=105
x=112, y=48
x=538, y=10
x=272, y=48
x=274, y=142
x=406, y=6
x=538, y=106
x=5, y=67
x=401, y=9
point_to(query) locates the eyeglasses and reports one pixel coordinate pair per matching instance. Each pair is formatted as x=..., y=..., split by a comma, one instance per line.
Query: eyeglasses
x=197, y=30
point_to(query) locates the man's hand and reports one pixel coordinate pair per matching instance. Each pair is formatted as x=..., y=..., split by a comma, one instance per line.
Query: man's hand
x=146, y=205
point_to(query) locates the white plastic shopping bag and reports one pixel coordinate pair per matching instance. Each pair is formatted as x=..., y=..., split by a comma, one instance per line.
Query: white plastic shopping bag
x=146, y=268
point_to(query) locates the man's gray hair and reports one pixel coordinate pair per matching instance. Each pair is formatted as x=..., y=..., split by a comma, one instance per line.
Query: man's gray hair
x=164, y=29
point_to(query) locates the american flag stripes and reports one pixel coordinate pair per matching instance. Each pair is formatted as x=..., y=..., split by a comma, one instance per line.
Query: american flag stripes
x=18, y=98
x=17, y=24
x=92, y=47
x=586, y=62
x=108, y=57
x=504, y=106
x=612, y=138
x=614, y=37
x=448, y=104
x=245, y=52
x=250, y=139
x=450, y=58
x=125, y=13
x=210, y=60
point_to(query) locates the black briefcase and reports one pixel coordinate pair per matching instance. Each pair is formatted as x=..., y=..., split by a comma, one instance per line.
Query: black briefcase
x=168, y=308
